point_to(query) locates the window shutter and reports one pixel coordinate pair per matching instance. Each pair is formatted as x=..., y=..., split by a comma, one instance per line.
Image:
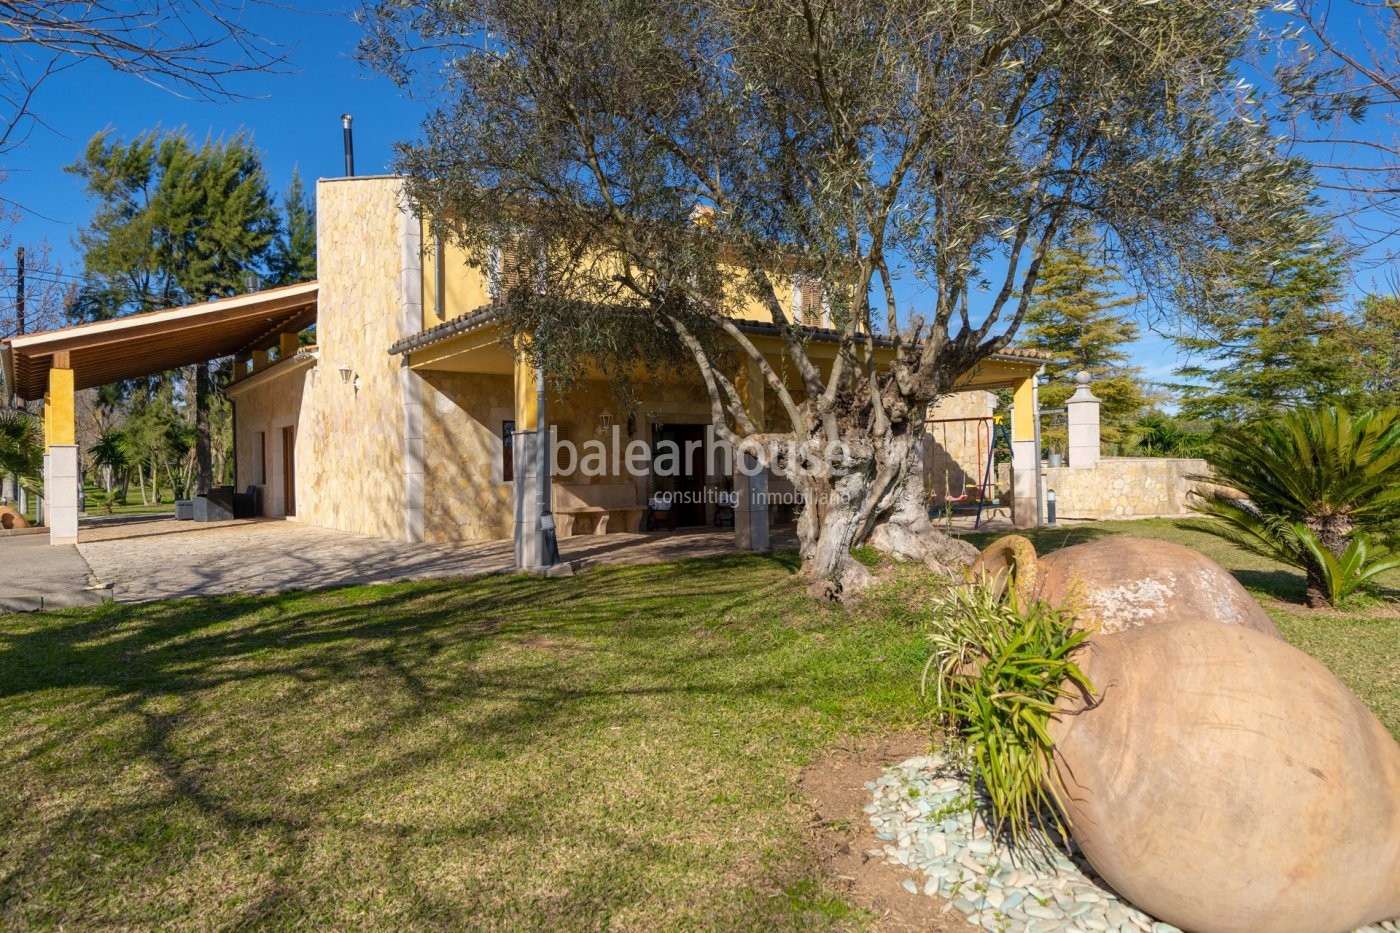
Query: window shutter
x=504, y=268
x=810, y=301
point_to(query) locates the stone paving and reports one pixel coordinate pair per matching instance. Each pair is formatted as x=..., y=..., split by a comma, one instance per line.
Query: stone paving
x=35, y=575
x=165, y=559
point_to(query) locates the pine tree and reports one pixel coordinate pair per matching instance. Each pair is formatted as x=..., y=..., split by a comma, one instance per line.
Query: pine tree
x=293, y=256
x=175, y=223
x=1270, y=339
x=1075, y=315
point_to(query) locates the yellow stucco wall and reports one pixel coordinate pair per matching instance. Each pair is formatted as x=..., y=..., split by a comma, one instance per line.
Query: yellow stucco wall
x=467, y=289
x=59, y=424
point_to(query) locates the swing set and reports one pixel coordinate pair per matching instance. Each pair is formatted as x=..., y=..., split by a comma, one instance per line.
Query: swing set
x=990, y=436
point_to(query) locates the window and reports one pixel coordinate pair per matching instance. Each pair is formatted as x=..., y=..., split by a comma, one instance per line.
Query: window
x=507, y=451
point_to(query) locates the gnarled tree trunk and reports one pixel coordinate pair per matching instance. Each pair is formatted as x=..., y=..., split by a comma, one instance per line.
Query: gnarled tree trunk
x=873, y=495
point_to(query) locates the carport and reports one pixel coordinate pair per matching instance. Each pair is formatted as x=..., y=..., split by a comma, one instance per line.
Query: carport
x=54, y=365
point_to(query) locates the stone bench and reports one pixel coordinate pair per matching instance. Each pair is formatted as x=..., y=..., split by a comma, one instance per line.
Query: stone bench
x=630, y=516
x=611, y=506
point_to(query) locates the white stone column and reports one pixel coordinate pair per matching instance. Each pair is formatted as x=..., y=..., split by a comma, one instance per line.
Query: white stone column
x=61, y=494
x=751, y=509
x=1083, y=415
x=1024, y=472
x=523, y=451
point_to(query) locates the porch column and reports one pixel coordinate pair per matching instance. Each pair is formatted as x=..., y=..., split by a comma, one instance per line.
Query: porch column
x=1083, y=414
x=534, y=538
x=61, y=455
x=751, y=492
x=1025, y=459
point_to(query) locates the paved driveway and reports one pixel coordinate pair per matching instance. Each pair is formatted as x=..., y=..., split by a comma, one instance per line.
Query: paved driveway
x=165, y=559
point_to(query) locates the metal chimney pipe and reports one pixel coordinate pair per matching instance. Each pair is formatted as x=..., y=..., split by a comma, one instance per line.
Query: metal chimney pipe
x=345, y=120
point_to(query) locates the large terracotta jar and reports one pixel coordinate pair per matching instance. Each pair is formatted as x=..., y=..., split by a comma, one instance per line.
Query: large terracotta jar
x=1225, y=782
x=1121, y=582
x=12, y=518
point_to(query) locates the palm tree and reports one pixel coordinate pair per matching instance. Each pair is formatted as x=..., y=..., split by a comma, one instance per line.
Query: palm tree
x=21, y=446
x=1311, y=485
x=109, y=452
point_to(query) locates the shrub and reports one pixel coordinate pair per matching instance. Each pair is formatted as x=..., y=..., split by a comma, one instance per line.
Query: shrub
x=998, y=667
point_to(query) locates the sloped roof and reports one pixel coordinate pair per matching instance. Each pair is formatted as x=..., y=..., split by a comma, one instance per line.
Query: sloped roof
x=141, y=344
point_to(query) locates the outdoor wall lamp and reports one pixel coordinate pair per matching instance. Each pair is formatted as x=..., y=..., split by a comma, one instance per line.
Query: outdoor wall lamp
x=345, y=374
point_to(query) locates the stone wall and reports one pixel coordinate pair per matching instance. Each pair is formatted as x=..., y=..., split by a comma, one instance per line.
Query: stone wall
x=1124, y=487
x=352, y=471
x=268, y=403
x=465, y=496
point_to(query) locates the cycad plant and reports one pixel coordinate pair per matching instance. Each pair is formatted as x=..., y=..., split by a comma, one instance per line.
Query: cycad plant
x=21, y=447
x=1318, y=489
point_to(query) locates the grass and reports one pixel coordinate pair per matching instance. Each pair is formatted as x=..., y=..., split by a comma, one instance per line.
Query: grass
x=132, y=505
x=618, y=748
x=614, y=749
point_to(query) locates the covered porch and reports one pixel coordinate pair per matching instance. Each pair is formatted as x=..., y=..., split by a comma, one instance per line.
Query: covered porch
x=484, y=405
x=54, y=365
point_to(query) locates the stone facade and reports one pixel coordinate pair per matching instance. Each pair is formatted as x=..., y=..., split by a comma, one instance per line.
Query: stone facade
x=955, y=454
x=1124, y=487
x=351, y=472
x=270, y=402
x=411, y=447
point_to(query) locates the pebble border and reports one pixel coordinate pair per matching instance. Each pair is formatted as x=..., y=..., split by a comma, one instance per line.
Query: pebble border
x=930, y=819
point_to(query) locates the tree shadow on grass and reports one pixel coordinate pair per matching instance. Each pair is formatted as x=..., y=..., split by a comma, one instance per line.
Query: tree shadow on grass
x=230, y=702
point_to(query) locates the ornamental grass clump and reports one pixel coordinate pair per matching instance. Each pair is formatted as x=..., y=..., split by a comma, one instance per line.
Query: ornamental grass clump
x=998, y=668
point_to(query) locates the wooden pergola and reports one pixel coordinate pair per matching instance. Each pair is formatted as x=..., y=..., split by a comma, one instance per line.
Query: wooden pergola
x=53, y=365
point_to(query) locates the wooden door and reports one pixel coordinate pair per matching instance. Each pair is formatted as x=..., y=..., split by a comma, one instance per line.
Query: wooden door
x=289, y=470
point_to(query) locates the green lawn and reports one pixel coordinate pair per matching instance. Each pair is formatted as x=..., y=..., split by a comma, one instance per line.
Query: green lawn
x=132, y=506
x=618, y=748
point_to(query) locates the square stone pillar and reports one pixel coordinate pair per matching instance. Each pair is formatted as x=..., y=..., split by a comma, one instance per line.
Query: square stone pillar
x=524, y=453
x=751, y=507
x=1082, y=411
x=61, y=494
x=1024, y=466
x=61, y=462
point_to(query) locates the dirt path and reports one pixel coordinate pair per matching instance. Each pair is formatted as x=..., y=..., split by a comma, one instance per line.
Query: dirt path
x=834, y=786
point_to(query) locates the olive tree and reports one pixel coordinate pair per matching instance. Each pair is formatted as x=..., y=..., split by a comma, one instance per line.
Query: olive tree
x=660, y=164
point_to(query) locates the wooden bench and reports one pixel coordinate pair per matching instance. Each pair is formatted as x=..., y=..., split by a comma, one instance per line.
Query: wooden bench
x=612, y=506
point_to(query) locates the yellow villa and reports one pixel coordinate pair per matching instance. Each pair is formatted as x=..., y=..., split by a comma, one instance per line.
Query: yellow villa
x=399, y=423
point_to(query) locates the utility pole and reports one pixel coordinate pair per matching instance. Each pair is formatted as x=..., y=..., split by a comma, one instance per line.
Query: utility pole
x=19, y=290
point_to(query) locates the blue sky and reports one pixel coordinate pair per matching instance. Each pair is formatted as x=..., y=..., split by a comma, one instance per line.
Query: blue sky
x=294, y=117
